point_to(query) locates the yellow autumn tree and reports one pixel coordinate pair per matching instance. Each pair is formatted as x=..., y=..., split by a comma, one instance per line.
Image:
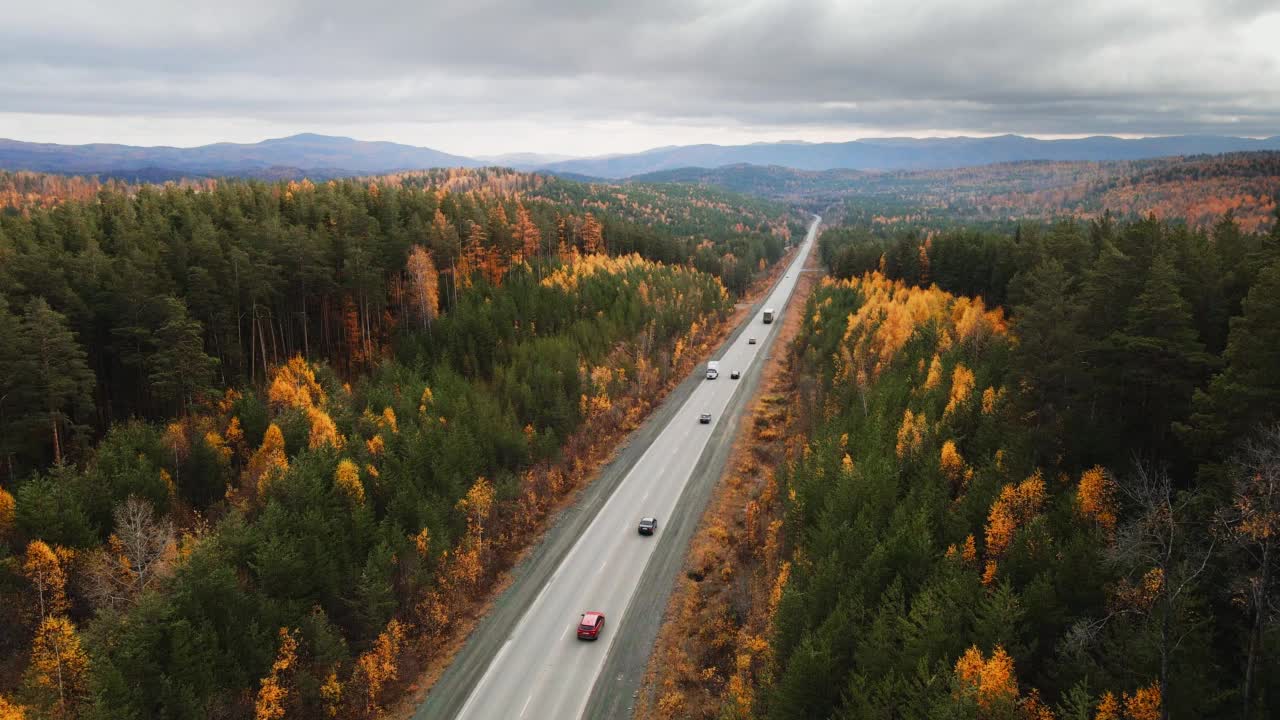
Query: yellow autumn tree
x=273, y=689
x=323, y=431
x=1108, y=707
x=961, y=388
x=989, y=682
x=331, y=695
x=911, y=433
x=1015, y=507
x=347, y=479
x=11, y=711
x=378, y=666
x=294, y=385
x=43, y=569
x=388, y=420
x=422, y=543
x=59, y=667
x=424, y=285
x=592, y=236
x=1144, y=704
x=270, y=460
x=1095, y=496
x=528, y=238
x=989, y=399
x=935, y=373
x=951, y=462
x=8, y=510
x=477, y=504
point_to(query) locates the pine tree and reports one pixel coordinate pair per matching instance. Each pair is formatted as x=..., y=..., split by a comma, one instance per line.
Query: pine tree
x=180, y=369
x=1157, y=359
x=1247, y=391
x=53, y=371
x=1048, y=361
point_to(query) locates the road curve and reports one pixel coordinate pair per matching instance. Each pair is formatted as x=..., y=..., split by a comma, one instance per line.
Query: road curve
x=540, y=669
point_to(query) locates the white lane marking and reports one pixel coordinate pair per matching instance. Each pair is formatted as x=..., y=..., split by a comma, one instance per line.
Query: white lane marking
x=602, y=565
x=525, y=709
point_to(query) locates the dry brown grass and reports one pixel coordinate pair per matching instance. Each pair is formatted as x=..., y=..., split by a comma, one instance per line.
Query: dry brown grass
x=710, y=651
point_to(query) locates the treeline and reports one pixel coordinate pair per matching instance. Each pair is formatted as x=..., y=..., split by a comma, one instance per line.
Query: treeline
x=1194, y=190
x=1070, y=512
x=132, y=304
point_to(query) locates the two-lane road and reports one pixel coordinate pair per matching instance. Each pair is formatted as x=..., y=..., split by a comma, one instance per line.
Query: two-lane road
x=542, y=670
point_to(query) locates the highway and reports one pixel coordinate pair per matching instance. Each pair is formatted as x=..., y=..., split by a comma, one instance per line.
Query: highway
x=540, y=669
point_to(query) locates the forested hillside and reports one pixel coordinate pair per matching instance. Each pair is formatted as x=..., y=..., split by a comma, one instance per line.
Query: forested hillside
x=1065, y=507
x=267, y=444
x=1197, y=190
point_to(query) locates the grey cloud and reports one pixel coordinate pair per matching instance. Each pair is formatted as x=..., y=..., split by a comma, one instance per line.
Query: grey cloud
x=1086, y=66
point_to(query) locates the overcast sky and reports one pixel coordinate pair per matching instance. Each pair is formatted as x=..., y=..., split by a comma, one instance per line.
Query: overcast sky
x=596, y=76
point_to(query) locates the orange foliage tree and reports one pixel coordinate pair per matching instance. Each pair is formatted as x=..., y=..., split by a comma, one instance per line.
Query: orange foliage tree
x=43, y=569
x=378, y=667
x=59, y=668
x=1095, y=496
x=269, y=461
x=424, y=284
x=1015, y=507
x=11, y=711
x=990, y=683
x=273, y=690
x=8, y=510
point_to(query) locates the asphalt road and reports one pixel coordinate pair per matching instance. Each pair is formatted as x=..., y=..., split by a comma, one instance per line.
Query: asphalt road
x=595, y=560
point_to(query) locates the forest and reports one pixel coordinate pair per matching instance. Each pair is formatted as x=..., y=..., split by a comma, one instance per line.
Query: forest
x=1196, y=190
x=266, y=445
x=1036, y=475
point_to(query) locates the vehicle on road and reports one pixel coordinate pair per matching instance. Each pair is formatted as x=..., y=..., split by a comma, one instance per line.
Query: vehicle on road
x=713, y=369
x=751, y=341
x=768, y=315
x=590, y=626
x=705, y=418
x=648, y=525
x=735, y=374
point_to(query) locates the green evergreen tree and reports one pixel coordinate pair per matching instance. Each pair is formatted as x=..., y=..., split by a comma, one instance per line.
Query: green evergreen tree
x=1048, y=362
x=179, y=367
x=1157, y=360
x=1247, y=391
x=53, y=373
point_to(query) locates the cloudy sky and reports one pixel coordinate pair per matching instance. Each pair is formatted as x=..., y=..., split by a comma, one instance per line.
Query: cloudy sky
x=596, y=76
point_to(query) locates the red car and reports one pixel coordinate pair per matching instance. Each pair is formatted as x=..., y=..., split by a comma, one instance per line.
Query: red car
x=590, y=626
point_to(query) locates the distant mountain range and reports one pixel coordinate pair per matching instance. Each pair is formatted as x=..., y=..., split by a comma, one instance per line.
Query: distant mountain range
x=322, y=156
x=294, y=156
x=907, y=153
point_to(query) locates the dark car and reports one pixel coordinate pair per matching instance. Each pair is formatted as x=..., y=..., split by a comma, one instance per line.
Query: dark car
x=648, y=525
x=705, y=418
x=590, y=625
x=751, y=341
x=735, y=375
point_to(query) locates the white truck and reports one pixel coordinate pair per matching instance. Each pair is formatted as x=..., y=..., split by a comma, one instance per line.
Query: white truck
x=713, y=369
x=768, y=315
